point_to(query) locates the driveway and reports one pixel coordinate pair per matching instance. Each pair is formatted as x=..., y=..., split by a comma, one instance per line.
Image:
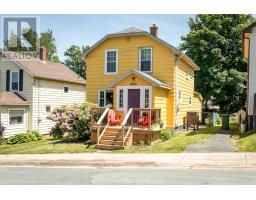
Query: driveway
x=218, y=143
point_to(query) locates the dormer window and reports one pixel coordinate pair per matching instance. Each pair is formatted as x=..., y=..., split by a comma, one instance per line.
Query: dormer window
x=14, y=80
x=111, y=61
x=145, y=59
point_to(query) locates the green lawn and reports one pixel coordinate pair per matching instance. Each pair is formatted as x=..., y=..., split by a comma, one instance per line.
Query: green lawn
x=243, y=142
x=175, y=144
x=48, y=145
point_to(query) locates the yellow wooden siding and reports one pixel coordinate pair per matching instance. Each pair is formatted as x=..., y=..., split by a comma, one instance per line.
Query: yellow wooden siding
x=160, y=99
x=128, y=59
x=164, y=69
x=186, y=86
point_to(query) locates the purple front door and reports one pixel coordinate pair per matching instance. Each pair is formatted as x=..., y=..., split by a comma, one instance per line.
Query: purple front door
x=133, y=98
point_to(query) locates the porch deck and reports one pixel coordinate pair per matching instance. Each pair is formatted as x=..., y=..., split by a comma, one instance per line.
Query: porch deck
x=138, y=126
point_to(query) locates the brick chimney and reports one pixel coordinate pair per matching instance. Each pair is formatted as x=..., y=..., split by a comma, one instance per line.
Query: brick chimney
x=154, y=30
x=42, y=54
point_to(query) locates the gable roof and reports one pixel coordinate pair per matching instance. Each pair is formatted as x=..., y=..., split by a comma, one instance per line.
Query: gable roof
x=145, y=76
x=12, y=99
x=43, y=69
x=136, y=31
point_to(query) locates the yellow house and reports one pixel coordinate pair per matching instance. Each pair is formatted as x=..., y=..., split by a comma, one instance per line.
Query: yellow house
x=133, y=68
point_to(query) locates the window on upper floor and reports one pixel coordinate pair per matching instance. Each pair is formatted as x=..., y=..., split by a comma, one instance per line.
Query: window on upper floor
x=190, y=100
x=14, y=80
x=65, y=89
x=111, y=61
x=145, y=59
x=187, y=72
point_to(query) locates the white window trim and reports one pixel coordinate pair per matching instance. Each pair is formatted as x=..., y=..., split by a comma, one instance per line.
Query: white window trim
x=151, y=67
x=142, y=96
x=118, y=99
x=24, y=116
x=11, y=80
x=105, y=70
x=104, y=97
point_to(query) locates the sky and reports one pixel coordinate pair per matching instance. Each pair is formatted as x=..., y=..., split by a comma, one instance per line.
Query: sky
x=88, y=29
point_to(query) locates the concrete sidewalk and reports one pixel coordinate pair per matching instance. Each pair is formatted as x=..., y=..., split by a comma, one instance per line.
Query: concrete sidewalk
x=179, y=160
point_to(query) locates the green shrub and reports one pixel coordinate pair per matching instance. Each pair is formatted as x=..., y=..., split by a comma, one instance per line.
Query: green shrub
x=24, y=137
x=165, y=134
x=74, y=120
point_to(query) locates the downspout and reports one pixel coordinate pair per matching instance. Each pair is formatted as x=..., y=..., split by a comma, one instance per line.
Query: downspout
x=178, y=57
x=38, y=105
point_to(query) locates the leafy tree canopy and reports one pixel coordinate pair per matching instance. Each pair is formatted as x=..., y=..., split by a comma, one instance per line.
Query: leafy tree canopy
x=74, y=59
x=214, y=42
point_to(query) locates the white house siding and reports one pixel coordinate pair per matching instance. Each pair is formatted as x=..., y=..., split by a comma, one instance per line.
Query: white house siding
x=252, y=72
x=47, y=92
x=13, y=129
x=28, y=83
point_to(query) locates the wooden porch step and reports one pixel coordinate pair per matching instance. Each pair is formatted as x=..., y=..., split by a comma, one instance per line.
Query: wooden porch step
x=114, y=142
x=112, y=133
x=108, y=147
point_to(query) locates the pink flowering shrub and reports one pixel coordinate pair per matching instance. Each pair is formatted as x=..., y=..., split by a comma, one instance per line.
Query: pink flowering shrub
x=2, y=129
x=73, y=120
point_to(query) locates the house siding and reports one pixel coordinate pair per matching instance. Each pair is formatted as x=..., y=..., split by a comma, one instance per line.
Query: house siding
x=185, y=84
x=51, y=93
x=48, y=93
x=13, y=129
x=252, y=72
x=163, y=68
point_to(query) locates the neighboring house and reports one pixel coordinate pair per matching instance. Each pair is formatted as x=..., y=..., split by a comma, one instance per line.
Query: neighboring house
x=30, y=88
x=249, y=52
x=133, y=68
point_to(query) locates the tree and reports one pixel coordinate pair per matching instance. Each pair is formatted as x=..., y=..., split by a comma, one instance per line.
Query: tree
x=214, y=42
x=47, y=40
x=75, y=60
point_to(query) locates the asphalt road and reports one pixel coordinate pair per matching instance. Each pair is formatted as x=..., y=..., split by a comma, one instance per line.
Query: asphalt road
x=134, y=176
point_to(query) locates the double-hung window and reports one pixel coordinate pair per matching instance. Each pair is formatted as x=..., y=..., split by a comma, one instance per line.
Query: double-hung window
x=111, y=61
x=145, y=59
x=14, y=80
x=16, y=116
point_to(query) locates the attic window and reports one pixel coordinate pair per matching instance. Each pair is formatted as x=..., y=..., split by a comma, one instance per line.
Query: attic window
x=65, y=89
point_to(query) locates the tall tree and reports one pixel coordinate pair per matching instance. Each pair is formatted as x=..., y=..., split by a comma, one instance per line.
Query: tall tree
x=74, y=59
x=214, y=42
x=47, y=40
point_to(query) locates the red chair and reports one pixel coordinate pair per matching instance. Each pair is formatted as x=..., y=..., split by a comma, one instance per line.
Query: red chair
x=112, y=118
x=143, y=121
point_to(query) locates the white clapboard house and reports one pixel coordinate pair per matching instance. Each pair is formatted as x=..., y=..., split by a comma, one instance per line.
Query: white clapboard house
x=30, y=88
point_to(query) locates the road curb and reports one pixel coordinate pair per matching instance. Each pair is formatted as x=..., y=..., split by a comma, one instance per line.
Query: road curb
x=113, y=164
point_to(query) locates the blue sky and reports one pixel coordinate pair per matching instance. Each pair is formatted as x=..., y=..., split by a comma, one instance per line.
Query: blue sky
x=88, y=29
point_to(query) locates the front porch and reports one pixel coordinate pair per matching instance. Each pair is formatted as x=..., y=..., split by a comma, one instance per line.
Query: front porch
x=136, y=127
